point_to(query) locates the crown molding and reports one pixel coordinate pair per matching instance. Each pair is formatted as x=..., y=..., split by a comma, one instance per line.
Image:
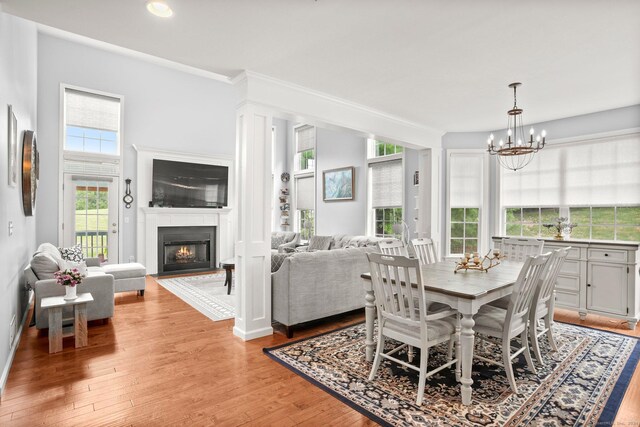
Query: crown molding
x=156, y=60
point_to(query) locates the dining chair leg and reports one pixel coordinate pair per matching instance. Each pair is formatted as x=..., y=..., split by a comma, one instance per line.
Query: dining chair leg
x=533, y=337
x=424, y=357
x=458, y=354
x=527, y=354
x=548, y=321
x=506, y=360
x=411, y=353
x=450, y=351
x=378, y=358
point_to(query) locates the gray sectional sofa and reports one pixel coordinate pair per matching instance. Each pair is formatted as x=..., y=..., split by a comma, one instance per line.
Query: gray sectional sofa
x=313, y=285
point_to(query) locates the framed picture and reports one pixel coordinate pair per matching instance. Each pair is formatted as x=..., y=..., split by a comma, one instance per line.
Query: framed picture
x=13, y=149
x=338, y=184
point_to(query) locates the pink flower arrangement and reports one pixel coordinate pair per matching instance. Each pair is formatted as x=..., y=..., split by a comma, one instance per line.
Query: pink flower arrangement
x=68, y=277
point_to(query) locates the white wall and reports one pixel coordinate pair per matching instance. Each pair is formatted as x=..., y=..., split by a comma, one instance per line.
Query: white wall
x=336, y=149
x=280, y=165
x=18, y=67
x=163, y=108
x=584, y=125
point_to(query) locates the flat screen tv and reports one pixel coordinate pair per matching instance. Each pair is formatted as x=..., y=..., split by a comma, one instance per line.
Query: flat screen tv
x=189, y=185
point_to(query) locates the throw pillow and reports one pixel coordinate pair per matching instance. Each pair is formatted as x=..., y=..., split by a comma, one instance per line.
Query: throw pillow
x=70, y=265
x=276, y=241
x=319, y=243
x=44, y=265
x=74, y=253
x=277, y=260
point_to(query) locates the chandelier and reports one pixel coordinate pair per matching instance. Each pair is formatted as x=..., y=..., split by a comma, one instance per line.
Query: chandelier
x=516, y=152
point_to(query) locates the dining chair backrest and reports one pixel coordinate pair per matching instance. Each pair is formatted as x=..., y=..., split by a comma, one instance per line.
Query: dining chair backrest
x=395, y=301
x=425, y=250
x=533, y=270
x=544, y=293
x=392, y=247
x=515, y=249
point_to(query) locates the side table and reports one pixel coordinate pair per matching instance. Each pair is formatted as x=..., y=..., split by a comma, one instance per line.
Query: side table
x=228, y=265
x=79, y=329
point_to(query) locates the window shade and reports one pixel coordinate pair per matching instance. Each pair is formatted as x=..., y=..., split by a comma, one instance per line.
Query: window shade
x=305, y=193
x=466, y=180
x=89, y=110
x=305, y=138
x=386, y=184
x=597, y=172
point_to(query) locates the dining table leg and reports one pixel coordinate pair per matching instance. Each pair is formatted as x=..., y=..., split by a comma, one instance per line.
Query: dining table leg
x=466, y=348
x=370, y=315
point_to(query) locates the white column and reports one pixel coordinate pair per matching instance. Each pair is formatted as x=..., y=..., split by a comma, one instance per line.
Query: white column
x=429, y=197
x=253, y=222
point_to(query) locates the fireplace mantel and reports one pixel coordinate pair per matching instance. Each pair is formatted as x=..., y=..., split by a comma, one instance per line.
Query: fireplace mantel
x=149, y=219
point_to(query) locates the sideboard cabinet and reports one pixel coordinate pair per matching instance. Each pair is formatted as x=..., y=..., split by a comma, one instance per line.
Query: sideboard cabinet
x=599, y=277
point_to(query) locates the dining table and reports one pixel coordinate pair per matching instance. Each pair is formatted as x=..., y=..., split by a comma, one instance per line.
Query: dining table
x=464, y=290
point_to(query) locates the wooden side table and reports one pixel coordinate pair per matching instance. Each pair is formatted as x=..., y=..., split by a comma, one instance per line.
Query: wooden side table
x=79, y=329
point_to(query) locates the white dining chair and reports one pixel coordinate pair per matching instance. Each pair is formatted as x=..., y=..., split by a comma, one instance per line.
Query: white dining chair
x=508, y=324
x=425, y=250
x=409, y=323
x=392, y=247
x=517, y=249
x=543, y=303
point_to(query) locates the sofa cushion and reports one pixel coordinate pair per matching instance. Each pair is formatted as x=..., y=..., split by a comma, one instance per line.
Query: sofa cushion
x=276, y=241
x=319, y=243
x=73, y=253
x=125, y=271
x=44, y=265
x=277, y=260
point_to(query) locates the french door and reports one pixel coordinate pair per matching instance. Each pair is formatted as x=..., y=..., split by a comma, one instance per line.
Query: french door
x=91, y=215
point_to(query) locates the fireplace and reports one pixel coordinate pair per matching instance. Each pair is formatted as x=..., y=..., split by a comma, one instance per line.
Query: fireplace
x=186, y=249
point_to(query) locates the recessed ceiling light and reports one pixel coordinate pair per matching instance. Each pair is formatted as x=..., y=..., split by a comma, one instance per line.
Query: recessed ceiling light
x=159, y=8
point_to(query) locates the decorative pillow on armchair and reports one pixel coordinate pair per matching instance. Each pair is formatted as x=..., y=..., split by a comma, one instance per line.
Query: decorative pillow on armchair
x=319, y=243
x=277, y=260
x=276, y=241
x=74, y=253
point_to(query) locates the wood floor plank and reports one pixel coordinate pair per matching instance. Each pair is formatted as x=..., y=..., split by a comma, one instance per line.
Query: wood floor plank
x=161, y=362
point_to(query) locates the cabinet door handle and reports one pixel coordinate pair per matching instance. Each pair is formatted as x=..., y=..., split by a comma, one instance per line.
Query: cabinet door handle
x=606, y=254
x=588, y=285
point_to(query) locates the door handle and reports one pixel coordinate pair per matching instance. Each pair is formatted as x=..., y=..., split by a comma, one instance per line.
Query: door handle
x=114, y=231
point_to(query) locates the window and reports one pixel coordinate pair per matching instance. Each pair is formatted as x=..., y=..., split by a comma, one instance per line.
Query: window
x=91, y=122
x=381, y=148
x=305, y=148
x=306, y=223
x=305, y=204
x=385, y=220
x=386, y=189
x=595, y=183
x=528, y=222
x=467, y=192
x=606, y=222
x=464, y=230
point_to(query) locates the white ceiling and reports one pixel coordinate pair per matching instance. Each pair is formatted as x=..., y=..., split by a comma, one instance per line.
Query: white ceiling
x=444, y=64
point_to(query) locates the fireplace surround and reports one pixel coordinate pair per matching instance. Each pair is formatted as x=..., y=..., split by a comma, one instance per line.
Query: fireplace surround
x=186, y=249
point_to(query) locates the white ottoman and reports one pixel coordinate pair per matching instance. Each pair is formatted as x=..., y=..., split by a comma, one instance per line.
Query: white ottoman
x=128, y=277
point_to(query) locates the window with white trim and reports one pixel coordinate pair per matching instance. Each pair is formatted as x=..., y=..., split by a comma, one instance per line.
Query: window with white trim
x=305, y=138
x=305, y=206
x=594, y=183
x=91, y=122
x=386, y=190
x=466, y=170
x=381, y=149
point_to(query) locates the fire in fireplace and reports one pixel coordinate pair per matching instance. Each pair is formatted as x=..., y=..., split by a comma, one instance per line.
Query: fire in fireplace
x=186, y=249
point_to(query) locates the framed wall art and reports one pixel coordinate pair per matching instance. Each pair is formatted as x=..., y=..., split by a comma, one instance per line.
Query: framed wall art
x=338, y=184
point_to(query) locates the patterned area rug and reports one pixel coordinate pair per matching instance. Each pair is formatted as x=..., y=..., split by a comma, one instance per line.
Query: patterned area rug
x=206, y=293
x=582, y=384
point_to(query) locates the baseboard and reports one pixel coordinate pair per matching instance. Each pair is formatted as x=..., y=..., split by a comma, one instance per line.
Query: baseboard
x=14, y=348
x=251, y=335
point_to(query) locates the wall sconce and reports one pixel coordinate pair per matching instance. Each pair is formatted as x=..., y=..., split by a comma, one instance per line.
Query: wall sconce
x=128, y=198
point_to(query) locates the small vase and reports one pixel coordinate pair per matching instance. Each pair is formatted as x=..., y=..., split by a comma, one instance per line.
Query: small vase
x=70, y=293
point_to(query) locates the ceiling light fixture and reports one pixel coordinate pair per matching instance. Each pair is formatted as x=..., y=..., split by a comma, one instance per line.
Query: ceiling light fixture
x=516, y=152
x=159, y=8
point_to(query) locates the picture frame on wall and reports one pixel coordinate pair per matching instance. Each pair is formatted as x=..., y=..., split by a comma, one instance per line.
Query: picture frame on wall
x=12, y=149
x=338, y=184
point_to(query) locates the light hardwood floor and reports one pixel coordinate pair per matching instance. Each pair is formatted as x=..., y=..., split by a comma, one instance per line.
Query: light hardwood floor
x=161, y=362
